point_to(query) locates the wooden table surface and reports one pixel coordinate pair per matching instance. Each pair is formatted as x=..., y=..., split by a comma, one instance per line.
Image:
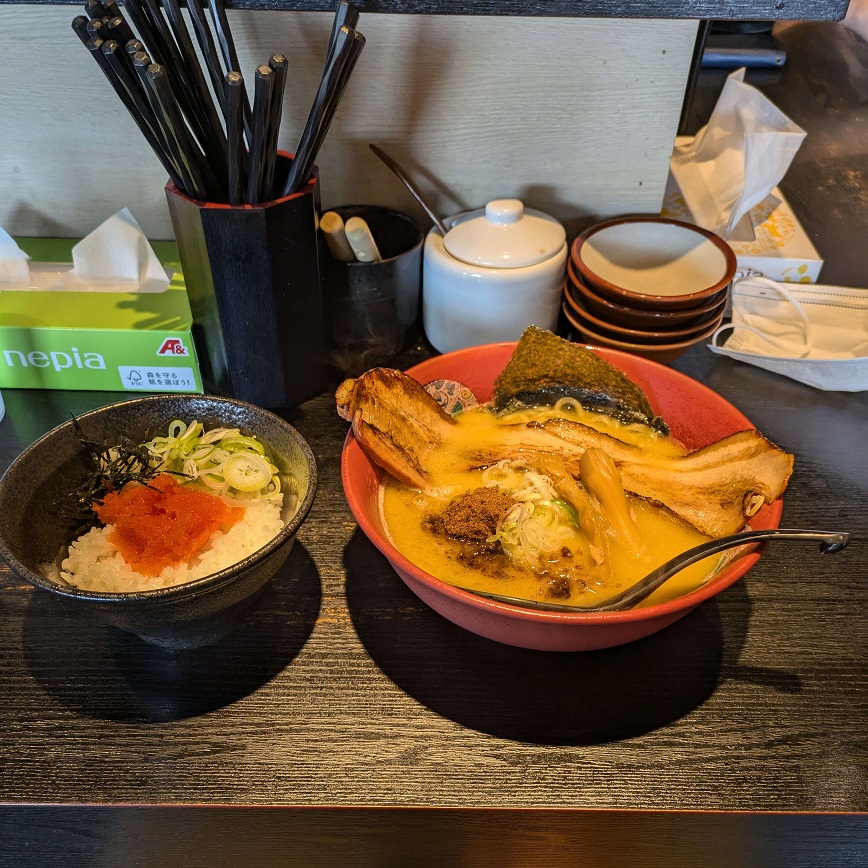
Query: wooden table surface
x=734, y=737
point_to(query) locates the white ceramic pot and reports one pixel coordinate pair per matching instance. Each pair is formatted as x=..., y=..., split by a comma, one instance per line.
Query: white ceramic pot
x=497, y=271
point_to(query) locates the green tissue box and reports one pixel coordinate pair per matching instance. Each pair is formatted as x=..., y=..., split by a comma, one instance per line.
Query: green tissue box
x=97, y=341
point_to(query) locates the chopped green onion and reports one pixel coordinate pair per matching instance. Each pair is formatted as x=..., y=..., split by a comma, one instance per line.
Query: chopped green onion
x=223, y=460
x=247, y=472
x=569, y=509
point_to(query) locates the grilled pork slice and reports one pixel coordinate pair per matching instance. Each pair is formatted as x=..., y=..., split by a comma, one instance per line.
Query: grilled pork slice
x=715, y=488
x=395, y=421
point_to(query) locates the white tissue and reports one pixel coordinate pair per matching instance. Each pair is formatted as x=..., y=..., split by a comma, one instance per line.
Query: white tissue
x=115, y=257
x=13, y=261
x=118, y=255
x=737, y=159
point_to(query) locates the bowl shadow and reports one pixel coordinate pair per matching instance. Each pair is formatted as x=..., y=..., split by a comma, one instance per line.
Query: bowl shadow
x=116, y=676
x=539, y=697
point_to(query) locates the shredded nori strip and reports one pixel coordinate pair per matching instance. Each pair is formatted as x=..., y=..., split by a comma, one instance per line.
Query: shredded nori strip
x=545, y=368
x=112, y=467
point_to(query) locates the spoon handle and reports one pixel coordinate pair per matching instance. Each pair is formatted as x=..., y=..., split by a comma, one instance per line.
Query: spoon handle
x=410, y=186
x=830, y=541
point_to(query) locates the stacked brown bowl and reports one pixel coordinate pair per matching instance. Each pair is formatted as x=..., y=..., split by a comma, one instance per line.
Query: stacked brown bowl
x=649, y=286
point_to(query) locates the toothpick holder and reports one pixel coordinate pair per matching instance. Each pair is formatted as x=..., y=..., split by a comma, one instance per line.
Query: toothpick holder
x=253, y=280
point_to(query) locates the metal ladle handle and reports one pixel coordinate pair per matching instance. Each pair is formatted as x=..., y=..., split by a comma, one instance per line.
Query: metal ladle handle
x=410, y=186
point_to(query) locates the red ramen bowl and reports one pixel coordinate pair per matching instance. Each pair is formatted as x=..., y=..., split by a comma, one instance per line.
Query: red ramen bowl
x=696, y=416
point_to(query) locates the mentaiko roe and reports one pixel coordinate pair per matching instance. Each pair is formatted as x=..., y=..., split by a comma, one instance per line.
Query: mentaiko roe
x=164, y=523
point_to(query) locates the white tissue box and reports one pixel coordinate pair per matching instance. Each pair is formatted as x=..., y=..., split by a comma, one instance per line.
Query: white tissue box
x=99, y=341
x=771, y=243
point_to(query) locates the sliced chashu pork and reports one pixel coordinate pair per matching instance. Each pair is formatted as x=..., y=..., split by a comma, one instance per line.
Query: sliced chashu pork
x=395, y=421
x=715, y=488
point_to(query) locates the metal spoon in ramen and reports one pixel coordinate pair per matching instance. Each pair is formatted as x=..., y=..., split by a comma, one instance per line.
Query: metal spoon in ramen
x=830, y=541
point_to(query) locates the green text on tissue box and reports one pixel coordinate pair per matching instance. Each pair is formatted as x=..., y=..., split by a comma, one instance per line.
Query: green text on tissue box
x=100, y=341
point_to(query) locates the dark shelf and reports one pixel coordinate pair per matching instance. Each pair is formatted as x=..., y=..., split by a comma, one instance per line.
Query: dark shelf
x=733, y=10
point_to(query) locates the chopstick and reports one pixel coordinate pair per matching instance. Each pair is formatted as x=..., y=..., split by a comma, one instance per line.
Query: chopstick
x=79, y=25
x=348, y=47
x=95, y=9
x=298, y=171
x=120, y=30
x=97, y=27
x=191, y=104
x=135, y=13
x=200, y=95
x=209, y=52
x=166, y=48
x=236, y=155
x=94, y=46
x=141, y=62
x=279, y=65
x=122, y=66
x=262, y=90
x=345, y=16
x=230, y=55
x=357, y=43
x=181, y=86
x=174, y=129
x=112, y=10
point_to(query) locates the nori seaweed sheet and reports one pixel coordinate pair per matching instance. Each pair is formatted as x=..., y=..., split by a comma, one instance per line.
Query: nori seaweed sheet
x=545, y=368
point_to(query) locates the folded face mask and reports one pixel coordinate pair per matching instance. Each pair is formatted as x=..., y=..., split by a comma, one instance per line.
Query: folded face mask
x=815, y=334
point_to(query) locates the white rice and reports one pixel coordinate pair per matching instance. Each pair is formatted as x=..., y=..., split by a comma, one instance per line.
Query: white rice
x=94, y=564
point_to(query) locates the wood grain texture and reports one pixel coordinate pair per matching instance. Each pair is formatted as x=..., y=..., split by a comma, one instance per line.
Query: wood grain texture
x=343, y=689
x=558, y=112
x=764, y=10
x=44, y=837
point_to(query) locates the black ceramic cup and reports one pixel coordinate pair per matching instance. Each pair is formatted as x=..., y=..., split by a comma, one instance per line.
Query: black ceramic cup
x=372, y=308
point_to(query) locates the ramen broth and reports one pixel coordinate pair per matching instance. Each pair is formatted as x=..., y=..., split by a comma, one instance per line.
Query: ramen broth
x=662, y=535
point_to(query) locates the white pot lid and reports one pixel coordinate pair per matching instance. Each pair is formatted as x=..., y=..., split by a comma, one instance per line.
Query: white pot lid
x=505, y=235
